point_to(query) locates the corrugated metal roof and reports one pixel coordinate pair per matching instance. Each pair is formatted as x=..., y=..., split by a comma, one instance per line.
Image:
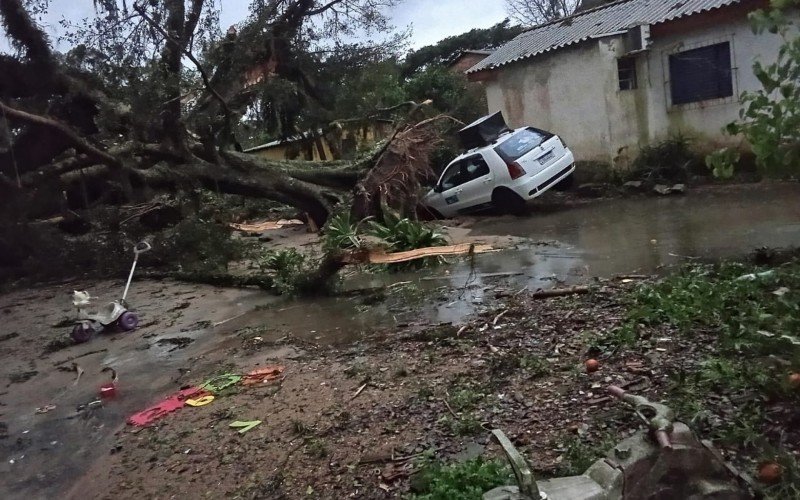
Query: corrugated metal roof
x=607, y=19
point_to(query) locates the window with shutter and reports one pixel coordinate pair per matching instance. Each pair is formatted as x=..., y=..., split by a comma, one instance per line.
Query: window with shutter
x=701, y=74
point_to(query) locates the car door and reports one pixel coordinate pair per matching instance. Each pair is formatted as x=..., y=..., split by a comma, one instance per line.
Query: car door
x=467, y=184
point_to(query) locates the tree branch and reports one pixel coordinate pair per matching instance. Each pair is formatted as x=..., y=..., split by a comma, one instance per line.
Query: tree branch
x=189, y=55
x=323, y=8
x=77, y=142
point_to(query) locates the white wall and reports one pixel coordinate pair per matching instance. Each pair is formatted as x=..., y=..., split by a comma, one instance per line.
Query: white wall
x=574, y=92
x=555, y=92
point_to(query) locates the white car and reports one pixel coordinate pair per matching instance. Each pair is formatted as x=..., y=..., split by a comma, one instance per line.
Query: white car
x=508, y=168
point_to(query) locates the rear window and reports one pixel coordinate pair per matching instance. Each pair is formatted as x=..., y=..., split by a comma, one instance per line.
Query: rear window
x=521, y=143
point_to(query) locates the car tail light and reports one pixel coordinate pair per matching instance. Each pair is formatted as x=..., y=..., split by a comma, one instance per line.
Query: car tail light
x=515, y=170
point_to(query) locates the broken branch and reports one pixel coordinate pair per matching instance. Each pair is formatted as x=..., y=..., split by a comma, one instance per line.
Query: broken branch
x=79, y=144
x=559, y=292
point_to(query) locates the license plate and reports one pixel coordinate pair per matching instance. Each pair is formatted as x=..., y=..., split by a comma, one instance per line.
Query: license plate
x=547, y=157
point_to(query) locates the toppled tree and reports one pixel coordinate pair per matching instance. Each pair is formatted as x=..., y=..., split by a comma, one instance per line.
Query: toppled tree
x=120, y=115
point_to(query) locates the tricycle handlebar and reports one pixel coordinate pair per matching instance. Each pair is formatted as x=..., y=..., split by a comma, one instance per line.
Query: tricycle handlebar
x=142, y=247
x=658, y=417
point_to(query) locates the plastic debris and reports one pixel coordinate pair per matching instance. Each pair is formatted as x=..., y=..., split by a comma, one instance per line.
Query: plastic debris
x=244, y=426
x=202, y=401
x=150, y=415
x=263, y=375
x=220, y=382
x=109, y=389
x=45, y=409
x=755, y=276
x=172, y=403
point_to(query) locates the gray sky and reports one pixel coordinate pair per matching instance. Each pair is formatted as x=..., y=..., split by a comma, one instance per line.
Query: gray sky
x=431, y=20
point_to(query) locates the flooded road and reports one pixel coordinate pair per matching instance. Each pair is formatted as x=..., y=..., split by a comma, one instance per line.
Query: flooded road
x=44, y=453
x=642, y=235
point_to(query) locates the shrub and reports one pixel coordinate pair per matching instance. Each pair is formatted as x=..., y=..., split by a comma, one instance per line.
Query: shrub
x=671, y=160
x=463, y=480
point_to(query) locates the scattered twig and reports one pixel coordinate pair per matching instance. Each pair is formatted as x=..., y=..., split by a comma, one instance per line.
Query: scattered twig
x=360, y=390
x=77, y=370
x=461, y=330
x=218, y=323
x=690, y=257
x=444, y=400
x=559, y=292
x=497, y=318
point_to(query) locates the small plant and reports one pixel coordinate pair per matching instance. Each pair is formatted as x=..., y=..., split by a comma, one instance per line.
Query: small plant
x=580, y=454
x=424, y=393
x=511, y=363
x=299, y=427
x=406, y=234
x=464, y=399
x=464, y=480
x=316, y=448
x=294, y=273
x=670, y=160
x=341, y=233
x=466, y=425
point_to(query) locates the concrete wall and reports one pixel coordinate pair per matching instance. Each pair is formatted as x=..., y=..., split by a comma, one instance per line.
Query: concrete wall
x=562, y=92
x=574, y=92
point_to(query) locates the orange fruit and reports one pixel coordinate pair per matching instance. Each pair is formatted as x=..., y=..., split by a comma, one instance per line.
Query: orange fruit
x=770, y=472
x=794, y=380
x=592, y=365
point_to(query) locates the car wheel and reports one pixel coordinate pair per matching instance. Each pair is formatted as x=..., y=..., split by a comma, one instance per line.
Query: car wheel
x=508, y=202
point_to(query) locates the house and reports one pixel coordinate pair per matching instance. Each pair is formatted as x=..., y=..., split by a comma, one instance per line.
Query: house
x=614, y=78
x=467, y=59
x=335, y=144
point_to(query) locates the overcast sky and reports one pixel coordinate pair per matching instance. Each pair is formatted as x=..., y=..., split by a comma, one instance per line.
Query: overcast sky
x=431, y=20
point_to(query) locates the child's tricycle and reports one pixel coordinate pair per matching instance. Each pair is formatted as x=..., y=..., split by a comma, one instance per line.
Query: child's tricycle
x=112, y=314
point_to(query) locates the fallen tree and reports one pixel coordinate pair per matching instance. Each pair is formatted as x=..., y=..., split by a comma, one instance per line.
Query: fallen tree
x=91, y=140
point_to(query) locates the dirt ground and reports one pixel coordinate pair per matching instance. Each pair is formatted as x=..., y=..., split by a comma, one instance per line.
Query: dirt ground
x=320, y=435
x=372, y=383
x=520, y=371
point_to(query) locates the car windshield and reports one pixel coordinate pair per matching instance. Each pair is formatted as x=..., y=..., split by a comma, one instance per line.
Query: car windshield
x=520, y=144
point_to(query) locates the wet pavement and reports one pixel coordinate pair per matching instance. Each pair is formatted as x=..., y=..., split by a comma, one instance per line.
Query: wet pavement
x=43, y=454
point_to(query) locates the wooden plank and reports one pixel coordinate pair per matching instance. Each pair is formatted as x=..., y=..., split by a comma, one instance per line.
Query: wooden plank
x=377, y=257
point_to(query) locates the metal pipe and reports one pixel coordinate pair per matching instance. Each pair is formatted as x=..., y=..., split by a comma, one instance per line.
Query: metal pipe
x=130, y=277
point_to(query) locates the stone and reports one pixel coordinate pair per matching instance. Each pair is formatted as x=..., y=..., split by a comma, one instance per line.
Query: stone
x=678, y=189
x=591, y=190
x=662, y=189
x=633, y=185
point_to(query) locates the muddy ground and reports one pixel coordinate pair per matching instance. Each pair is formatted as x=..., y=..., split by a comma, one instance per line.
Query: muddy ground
x=404, y=344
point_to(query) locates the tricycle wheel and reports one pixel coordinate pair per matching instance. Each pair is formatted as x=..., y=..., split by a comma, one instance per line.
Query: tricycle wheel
x=128, y=321
x=82, y=333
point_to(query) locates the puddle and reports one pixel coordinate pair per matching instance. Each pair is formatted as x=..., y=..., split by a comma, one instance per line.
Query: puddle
x=645, y=234
x=567, y=247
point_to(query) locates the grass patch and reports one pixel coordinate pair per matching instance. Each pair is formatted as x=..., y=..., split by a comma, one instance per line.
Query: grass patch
x=580, y=454
x=464, y=480
x=750, y=316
